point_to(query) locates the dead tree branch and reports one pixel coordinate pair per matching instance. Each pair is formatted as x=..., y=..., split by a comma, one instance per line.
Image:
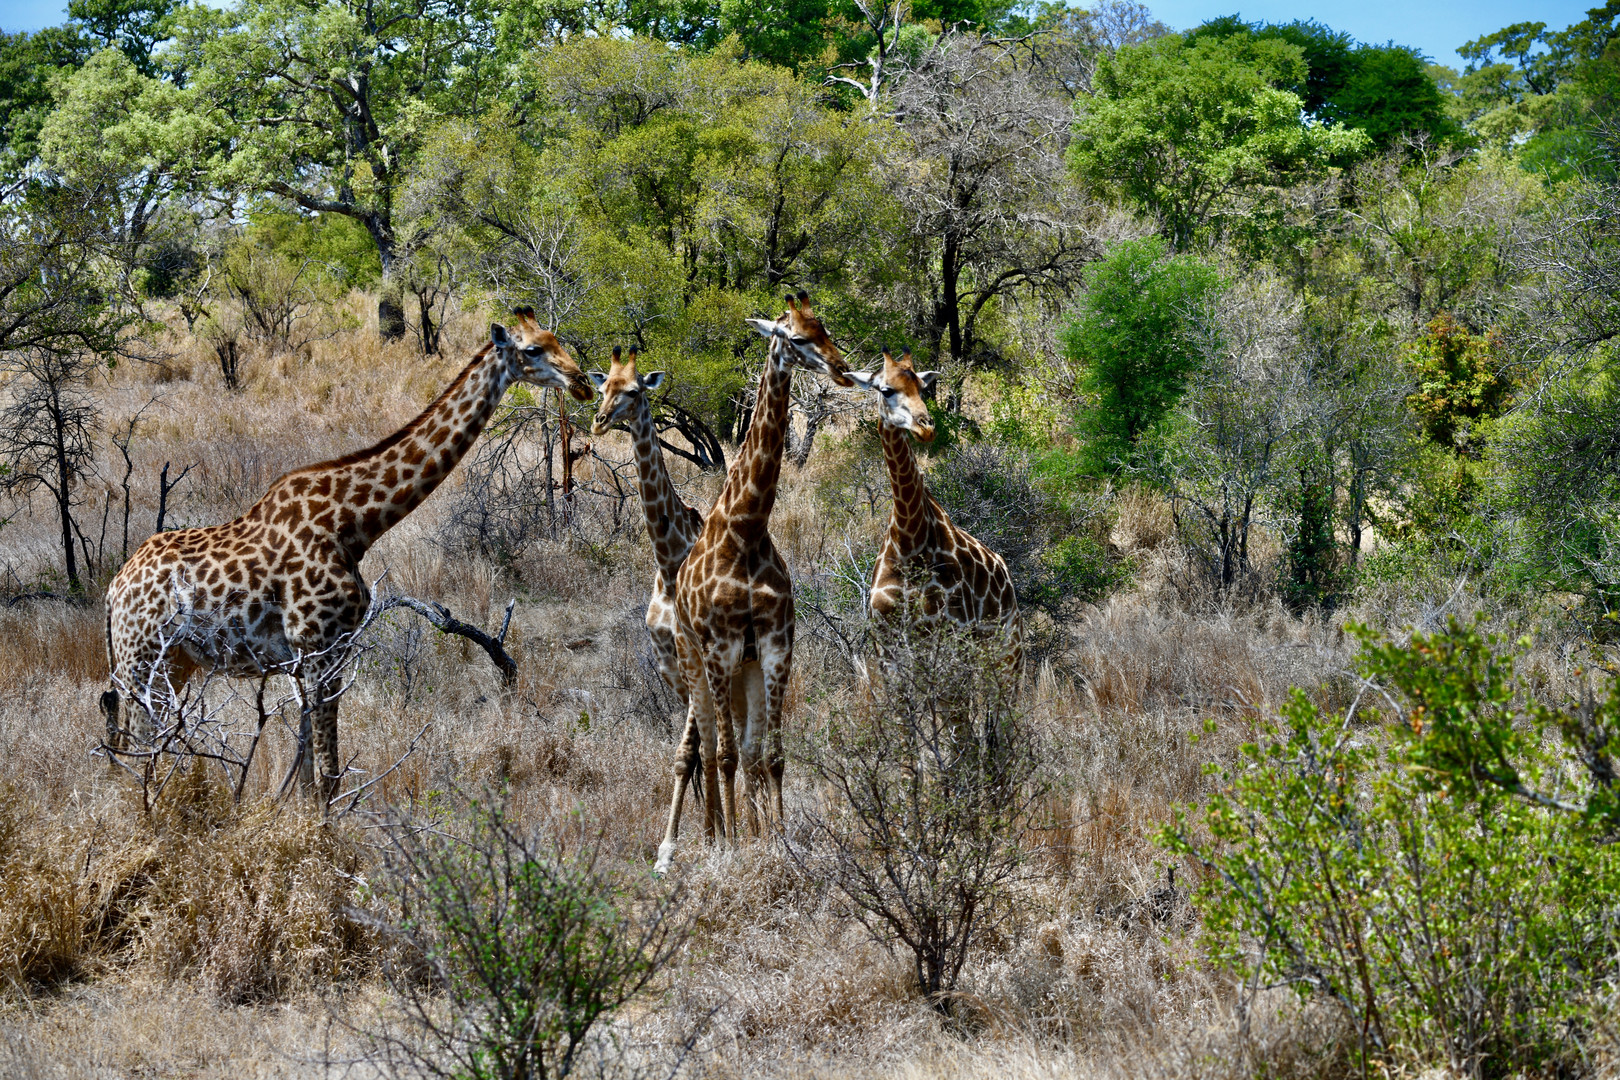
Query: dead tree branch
x=440, y=617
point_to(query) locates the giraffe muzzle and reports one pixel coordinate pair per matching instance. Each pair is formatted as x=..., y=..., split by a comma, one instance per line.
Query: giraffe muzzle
x=580, y=388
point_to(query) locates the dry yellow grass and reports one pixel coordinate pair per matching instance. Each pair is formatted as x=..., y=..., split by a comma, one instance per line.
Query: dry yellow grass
x=204, y=939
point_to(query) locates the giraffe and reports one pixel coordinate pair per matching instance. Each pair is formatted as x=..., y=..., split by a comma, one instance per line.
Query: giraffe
x=927, y=561
x=282, y=581
x=734, y=596
x=673, y=528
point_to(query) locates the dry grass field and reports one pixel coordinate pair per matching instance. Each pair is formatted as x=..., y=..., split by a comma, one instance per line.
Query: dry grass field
x=207, y=939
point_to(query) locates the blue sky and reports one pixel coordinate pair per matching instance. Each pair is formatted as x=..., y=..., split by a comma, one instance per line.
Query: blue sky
x=1435, y=26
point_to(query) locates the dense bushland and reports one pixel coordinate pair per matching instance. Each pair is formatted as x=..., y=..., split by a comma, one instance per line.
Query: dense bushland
x=1249, y=336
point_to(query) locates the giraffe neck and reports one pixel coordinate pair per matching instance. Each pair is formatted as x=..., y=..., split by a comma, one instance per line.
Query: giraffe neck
x=912, y=520
x=750, y=490
x=669, y=525
x=373, y=490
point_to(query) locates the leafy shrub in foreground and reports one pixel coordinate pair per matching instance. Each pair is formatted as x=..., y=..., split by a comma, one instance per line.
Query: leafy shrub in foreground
x=512, y=952
x=1437, y=878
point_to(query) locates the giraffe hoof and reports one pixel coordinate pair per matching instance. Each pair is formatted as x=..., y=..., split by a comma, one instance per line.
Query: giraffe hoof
x=666, y=858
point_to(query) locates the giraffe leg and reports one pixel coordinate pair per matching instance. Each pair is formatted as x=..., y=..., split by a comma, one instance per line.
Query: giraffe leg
x=745, y=714
x=687, y=759
x=719, y=679
x=324, y=750
x=713, y=818
x=775, y=665
x=109, y=709
x=306, y=752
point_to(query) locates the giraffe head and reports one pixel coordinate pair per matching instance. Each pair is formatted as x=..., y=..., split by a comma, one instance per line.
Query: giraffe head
x=534, y=355
x=900, y=389
x=808, y=344
x=623, y=391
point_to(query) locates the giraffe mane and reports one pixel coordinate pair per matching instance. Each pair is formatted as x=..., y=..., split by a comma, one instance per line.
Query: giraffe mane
x=389, y=441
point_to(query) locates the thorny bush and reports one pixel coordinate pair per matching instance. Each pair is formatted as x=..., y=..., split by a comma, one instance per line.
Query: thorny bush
x=932, y=789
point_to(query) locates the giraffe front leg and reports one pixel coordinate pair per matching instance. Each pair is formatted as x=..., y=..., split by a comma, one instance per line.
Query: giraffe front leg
x=687, y=759
x=324, y=751
x=306, y=752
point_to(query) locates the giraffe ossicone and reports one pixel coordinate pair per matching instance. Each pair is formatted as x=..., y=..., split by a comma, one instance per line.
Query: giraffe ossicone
x=282, y=582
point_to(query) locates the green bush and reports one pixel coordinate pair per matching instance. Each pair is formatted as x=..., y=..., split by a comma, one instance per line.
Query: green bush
x=1138, y=337
x=1051, y=540
x=509, y=950
x=1446, y=876
x=1078, y=566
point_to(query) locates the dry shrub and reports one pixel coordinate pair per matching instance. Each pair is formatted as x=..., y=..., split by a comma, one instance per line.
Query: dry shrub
x=42, y=932
x=1143, y=520
x=254, y=902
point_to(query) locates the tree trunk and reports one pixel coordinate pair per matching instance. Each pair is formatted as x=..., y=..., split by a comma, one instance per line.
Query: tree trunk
x=430, y=333
x=391, y=304
x=391, y=310
x=950, y=308
x=801, y=453
x=64, y=496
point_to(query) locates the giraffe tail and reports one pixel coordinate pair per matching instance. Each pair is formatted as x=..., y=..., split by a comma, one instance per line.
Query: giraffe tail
x=109, y=700
x=696, y=778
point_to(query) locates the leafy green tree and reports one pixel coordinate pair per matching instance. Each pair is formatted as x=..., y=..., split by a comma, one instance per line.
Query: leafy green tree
x=152, y=144
x=1390, y=94
x=1460, y=383
x=1139, y=335
x=659, y=197
x=326, y=103
x=135, y=27
x=1545, y=93
x=1197, y=135
x=1385, y=91
x=27, y=64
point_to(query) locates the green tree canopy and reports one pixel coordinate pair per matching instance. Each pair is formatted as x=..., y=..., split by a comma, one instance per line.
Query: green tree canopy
x=1383, y=90
x=325, y=102
x=1193, y=134
x=1137, y=338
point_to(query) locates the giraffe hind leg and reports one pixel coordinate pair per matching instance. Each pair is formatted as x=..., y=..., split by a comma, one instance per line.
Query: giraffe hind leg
x=719, y=679
x=745, y=713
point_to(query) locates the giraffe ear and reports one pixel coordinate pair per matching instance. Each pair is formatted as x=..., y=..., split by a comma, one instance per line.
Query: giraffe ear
x=763, y=327
x=597, y=377
x=652, y=380
x=866, y=380
x=498, y=336
x=927, y=379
